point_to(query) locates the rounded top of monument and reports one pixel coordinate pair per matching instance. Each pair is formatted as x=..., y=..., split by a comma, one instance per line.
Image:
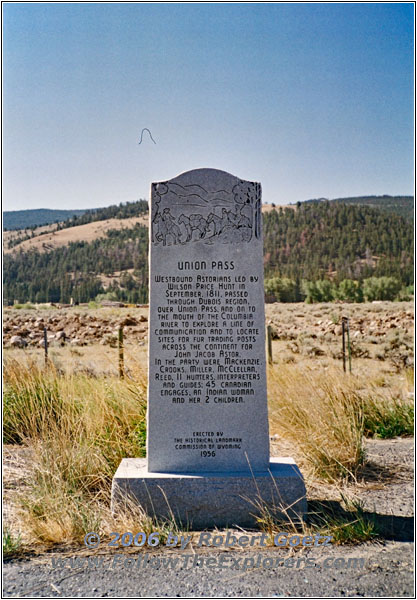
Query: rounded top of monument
x=205, y=175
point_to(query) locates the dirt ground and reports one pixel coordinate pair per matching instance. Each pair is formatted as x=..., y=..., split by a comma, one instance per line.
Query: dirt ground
x=381, y=334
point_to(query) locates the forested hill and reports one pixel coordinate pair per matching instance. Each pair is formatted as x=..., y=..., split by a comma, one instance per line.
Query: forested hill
x=22, y=219
x=317, y=241
x=29, y=219
x=400, y=205
x=337, y=241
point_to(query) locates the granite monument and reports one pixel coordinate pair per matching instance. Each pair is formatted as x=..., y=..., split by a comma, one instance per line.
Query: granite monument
x=207, y=438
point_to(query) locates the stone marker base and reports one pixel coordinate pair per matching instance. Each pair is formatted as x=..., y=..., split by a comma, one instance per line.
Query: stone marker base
x=203, y=500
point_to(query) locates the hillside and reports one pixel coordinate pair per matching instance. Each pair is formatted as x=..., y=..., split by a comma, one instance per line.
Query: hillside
x=319, y=240
x=336, y=242
x=90, y=226
x=23, y=219
x=32, y=219
x=49, y=238
x=28, y=219
x=399, y=205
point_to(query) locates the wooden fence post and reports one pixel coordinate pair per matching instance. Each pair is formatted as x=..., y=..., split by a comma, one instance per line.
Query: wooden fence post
x=343, y=342
x=348, y=343
x=121, y=357
x=45, y=344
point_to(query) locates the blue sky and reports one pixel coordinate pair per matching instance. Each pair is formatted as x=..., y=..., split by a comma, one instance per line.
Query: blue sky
x=312, y=100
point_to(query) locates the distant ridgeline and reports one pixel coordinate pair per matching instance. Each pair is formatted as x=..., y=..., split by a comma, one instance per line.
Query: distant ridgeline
x=23, y=219
x=322, y=250
x=400, y=205
x=28, y=219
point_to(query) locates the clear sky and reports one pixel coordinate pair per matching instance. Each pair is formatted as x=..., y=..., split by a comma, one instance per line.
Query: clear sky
x=312, y=100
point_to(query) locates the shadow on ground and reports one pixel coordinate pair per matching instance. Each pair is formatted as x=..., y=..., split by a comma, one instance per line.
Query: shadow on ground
x=388, y=527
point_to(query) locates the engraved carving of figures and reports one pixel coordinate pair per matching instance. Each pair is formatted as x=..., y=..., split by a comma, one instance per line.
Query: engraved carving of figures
x=258, y=212
x=155, y=214
x=200, y=223
x=227, y=219
x=194, y=222
x=245, y=195
x=233, y=218
x=246, y=215
x=159, y=189
x=213, y=218
x=186, y=221
x=167, y=226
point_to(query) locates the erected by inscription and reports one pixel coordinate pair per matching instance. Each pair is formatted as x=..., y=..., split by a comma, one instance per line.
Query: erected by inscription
x=207, y=403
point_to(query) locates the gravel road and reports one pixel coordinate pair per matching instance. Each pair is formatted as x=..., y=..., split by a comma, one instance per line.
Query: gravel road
x=387, y=572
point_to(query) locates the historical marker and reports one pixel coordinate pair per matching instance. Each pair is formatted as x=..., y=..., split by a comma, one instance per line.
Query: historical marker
x=207, y=378
x=207, y=436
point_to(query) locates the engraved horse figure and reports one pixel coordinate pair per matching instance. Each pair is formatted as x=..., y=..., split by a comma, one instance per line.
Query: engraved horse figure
x=166, y=226
x=218, y=223
x=194, y=222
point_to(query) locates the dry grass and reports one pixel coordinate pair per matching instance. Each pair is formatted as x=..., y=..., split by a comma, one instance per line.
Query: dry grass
x=388, y=417
x=345, y=522
x=325, y=414
x=321, y=414
x=79, y=429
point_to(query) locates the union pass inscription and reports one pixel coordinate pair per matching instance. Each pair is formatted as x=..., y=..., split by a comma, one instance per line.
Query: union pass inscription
x=207, y=406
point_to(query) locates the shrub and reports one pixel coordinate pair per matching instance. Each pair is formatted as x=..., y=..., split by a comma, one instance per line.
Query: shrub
x=107, y=296
x=318, y=291
x=27, y=306
x=405, y=294
x=325, y=416
x=381, y=288
x=11, y=544
x=388, y=417
x=279, y=289
x=31, y=401
x=350, y=291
